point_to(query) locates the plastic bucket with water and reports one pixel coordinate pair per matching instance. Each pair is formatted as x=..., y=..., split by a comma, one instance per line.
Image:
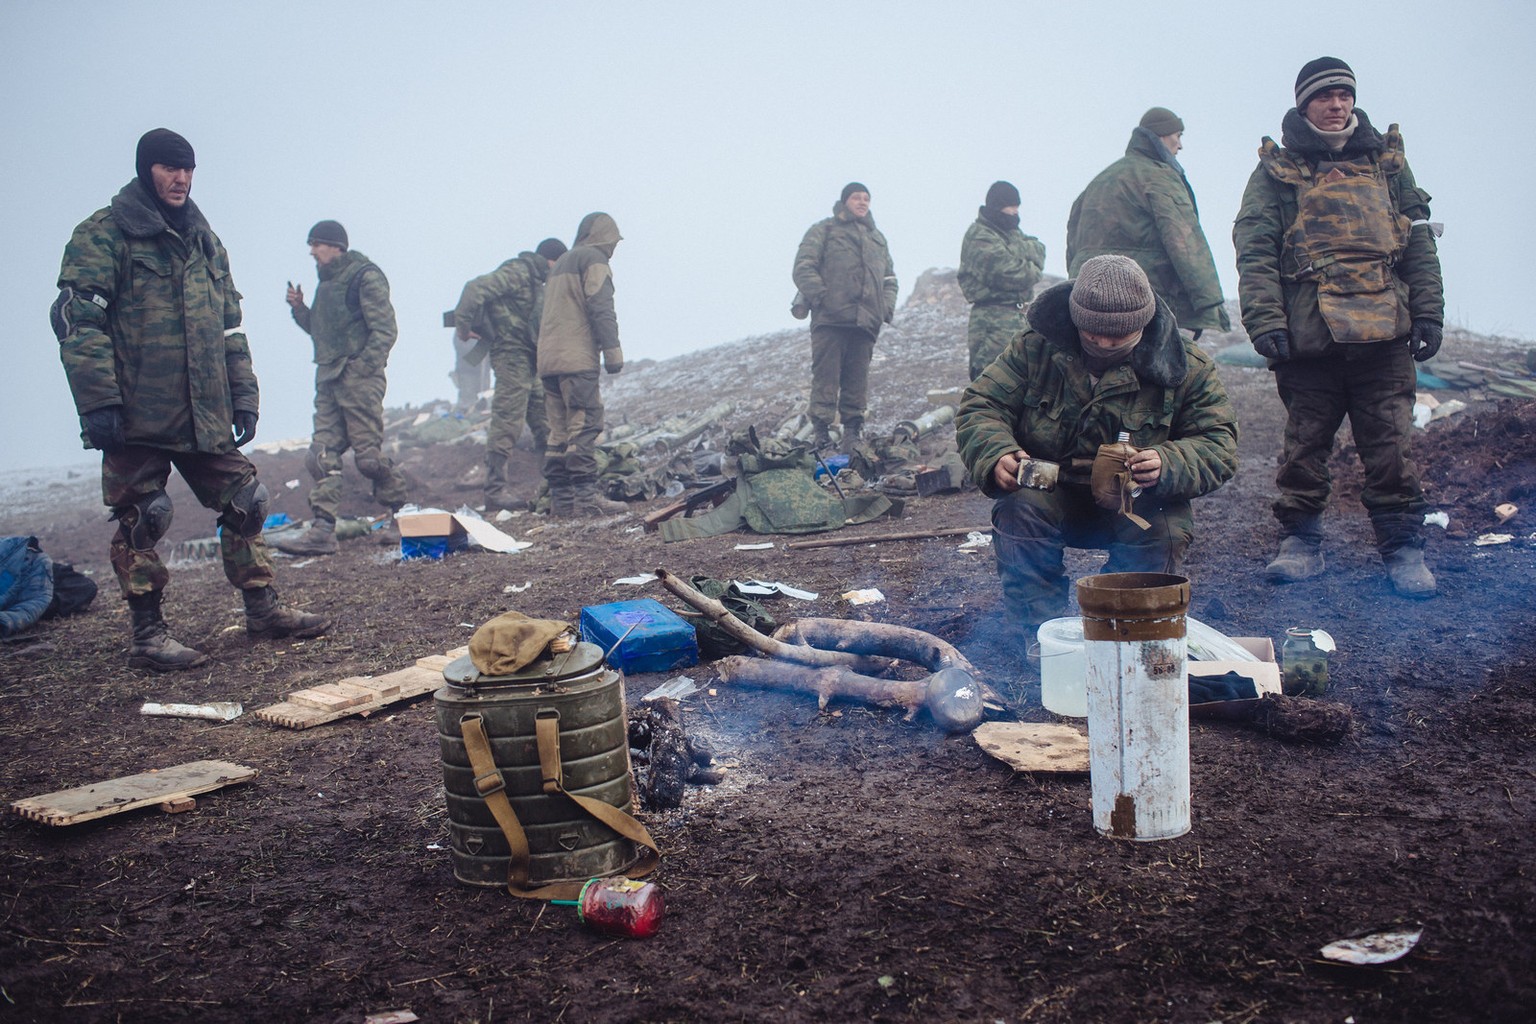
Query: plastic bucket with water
x=1138, y=703
x=1063, y=670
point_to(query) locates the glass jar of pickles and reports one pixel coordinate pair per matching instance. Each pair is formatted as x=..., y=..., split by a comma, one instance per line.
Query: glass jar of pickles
x=1304, y=662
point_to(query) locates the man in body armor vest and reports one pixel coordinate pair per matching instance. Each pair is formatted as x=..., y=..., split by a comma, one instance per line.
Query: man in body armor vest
x=149, y=329
x=353, y=326
x=1339, y=280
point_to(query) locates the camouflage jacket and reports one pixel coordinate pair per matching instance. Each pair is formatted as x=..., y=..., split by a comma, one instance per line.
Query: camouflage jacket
x=844, y=271
x=1141, y=206
x=1276, y=294
x=999, y=266
x=1039, y=396
x=578, y=321
x=148, y=318
x=505, y=305
x=360, y=336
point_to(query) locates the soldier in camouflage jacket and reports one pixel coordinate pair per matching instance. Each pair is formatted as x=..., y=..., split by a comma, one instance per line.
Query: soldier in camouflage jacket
x=352, y=324
x=502, y=310
x=1340, y=286
x=1142, y=206
x=149, y=327
x=844, y=273
x=999, y=268
x=1101, y=355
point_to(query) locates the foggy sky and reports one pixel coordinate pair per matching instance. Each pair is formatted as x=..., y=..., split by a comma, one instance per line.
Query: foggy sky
x=447, y=137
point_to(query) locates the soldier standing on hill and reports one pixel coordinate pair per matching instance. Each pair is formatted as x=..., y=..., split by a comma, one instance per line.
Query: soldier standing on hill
x=578, y=331
x=502, y=310
x=844, y=272
x=1339, y=280
x=353, y=327
x=149, y=329
x=1141, y=206
x=999, y=268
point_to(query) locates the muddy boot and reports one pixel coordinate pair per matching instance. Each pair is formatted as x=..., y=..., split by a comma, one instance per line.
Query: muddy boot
x=266, y=616
x=1301, y=551
x=387, y=533
x=821, y=435
x=496, y=496
x=590, y=500
x=1410, y=576
x=853, y=433
x=153, y=647
x=319, y=539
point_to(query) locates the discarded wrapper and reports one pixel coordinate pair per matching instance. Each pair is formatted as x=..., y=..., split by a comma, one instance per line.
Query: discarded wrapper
x=1376, y=948
x=1506, y=511
x=219, y=711
x=867, y=596
x=1490, y=539
x=675, y=688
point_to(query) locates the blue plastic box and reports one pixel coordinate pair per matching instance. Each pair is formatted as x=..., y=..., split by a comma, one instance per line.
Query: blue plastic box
x=661, y=640
x=431, y=547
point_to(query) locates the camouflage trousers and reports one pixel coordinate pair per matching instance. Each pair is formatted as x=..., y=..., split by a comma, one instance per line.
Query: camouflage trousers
x=349, y=413
x=519, y=397
x=574, y=407
x=1031, y=531
x=136, y=473
x=840, y=359
x=990, y=330
x=1374, y=386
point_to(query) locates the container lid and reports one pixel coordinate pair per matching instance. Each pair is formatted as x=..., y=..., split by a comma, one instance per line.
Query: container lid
x=582, y=660
x=1067, y=630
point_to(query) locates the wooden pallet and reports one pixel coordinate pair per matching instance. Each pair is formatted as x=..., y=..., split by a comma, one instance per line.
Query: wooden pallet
x=357, y=695
x=171, y=788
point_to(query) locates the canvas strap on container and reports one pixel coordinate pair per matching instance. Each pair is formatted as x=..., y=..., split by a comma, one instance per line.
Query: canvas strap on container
x=493, y=790
x=1113, y=487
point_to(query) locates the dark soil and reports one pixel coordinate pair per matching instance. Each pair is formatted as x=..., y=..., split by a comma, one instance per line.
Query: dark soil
x=852, y=865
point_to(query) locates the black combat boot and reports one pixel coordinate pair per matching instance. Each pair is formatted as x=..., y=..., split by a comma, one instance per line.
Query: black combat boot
x=266, y=616
x=496, y=484
x=153, y=647
x=319, y=539
x=821, y=434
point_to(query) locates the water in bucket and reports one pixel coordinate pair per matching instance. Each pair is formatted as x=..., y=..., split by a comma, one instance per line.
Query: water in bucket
x=1063, y=668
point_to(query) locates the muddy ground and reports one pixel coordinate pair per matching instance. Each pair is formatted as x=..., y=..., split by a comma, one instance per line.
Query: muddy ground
x=852, y=865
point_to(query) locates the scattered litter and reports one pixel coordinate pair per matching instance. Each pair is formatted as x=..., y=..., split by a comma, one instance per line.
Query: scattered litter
x=975, y=541
x=675, y=688
x=870, y=595
x=635, y=581
x=1209, y=644
x=483, y=534
x=292, y=485
x=1505, y=511
x=1322, y=640
x=712, y=692
x=1488, y=540
x=392, y=1016
x=276, y=520
x=513, y=588
x=1439, y=519
x=219, y=711
x=1376, y=948
x=765, y=546
x=301, y=564
x=469, y=625
x=759, y=588
x=435, y=846
x=421, y=418
x=504, y=515
x=1035, y=747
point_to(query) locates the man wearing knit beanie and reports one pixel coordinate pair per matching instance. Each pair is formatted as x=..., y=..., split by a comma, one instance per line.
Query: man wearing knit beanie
x=352, y=325
x=1102, y=356
x=499, y=312
x=845, y=277
x=999, y=268
x=150, y=333
x=1338, y=194
x=1142, y=206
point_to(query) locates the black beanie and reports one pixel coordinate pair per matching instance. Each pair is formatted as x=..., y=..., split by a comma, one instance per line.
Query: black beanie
x=551, y=248
x=1320, y=74
x=161, y=146
x=329, y=232
x=1001, y=194
x=852, y=187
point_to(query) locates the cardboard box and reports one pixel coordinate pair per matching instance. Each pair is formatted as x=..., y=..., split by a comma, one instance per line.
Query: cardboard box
x=430, y=535
x=660, y=641
x=1264, y=673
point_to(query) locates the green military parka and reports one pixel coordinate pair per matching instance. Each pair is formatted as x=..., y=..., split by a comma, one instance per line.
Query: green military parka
x=844, y=272
x=999, y=268
x=1141, y=206
x=361, y=337
x=1038, y=396
x=505, y=306
x=148, y=318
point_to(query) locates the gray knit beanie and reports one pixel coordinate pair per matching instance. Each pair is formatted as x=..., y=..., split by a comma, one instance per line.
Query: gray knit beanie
x=1162, y=121
x=328, y=232
x=1112, y=296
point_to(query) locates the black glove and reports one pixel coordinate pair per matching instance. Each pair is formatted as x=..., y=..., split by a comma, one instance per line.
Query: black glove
x=1424, y=339
x=104, y=427
x=1275, y=345
x=245, y=427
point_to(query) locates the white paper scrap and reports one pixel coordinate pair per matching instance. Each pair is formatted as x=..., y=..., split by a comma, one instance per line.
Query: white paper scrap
x=635, y=581
x=975, y=540
x=1439, y=519
x=513, y=588
x=870, y=595
x=759, y=588
x=291, y=484
x=675, y=688
x=1490, y=539
x=765, y=546
x=483, y=534
x=219, y=711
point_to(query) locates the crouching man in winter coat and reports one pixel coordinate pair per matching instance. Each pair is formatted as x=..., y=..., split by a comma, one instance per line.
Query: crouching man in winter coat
x=1102, y=359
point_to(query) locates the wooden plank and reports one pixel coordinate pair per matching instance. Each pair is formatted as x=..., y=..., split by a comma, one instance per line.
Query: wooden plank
x=379, y=686
x=330, y=697
x=173, y=786
x=179, y=805
x=402, y=684
x=1035, y=747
